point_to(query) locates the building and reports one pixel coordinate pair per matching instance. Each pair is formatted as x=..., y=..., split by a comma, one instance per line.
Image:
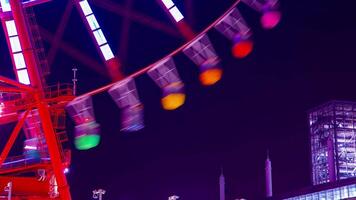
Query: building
x=333, y=153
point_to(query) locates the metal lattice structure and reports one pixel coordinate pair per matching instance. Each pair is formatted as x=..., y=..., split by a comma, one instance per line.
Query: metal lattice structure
x=333, y=141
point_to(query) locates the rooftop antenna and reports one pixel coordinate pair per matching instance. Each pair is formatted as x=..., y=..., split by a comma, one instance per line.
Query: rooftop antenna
x=268, y=171
x=222, y=184
x=75, y=80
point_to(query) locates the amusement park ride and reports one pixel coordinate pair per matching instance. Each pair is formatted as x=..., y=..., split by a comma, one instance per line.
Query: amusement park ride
x=39, y=110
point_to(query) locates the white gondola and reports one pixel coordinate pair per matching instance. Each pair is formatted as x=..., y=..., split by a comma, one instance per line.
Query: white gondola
x=203, y=54
x=87, y=131
x=166, y=76
x=125, y=95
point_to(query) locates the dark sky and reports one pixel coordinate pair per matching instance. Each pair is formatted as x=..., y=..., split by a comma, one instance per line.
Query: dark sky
x=261, y=103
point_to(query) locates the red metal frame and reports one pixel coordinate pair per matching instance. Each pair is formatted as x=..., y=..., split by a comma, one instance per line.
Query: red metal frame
x=12, y=138
x=14, y=83
x=41, y=103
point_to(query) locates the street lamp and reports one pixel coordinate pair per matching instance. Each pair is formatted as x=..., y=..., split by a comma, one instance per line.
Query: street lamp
x=8, y=189
x=98, y=194
x=174, y=197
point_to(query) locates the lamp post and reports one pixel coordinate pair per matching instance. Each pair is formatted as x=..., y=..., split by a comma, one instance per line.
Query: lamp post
x=174, y=197
x=98, y=194
x=8, y=189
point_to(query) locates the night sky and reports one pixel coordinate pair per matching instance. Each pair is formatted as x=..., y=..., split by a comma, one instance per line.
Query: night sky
x=261, y=103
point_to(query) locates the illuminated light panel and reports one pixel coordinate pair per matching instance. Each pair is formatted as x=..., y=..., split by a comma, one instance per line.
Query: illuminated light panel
x=5, y=5
x=19, y=61
x=15, y=44
x=99, y=36
x=96, y=30
x=177, y=15
x=93, y=23
x=168, y=3
x=11, y=28
x=173, y=10
x=84, y=5
x=23, y=76
x=107, y=53
x=16, y=49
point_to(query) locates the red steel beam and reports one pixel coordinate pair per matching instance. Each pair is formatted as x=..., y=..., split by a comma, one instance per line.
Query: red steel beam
x=125, y=30
x=54, y=153
x=8, y=81
x=189, y=11
x=59, y=33
x=11, y=90
x=12, y=138
x=43, y=108
x=75, y=53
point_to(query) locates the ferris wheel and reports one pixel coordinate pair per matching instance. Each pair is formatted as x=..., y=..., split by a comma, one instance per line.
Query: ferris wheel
x=39, y=109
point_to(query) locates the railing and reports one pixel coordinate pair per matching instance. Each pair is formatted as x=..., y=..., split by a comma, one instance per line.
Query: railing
x=9, y=96
x=13, y=102
x=62, y=136
x=24, y=161
x=64, y=89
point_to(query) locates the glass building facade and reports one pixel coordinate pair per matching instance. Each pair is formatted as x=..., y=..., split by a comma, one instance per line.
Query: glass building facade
x=333, y=142
x=344, y=192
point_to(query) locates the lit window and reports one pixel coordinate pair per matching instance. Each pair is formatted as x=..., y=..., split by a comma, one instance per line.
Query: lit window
x=99, y=36
x=107, y=53
x=19, y=61
x=84, y=5
x=5, y=5
x=177, y=15
x=168, y=3
x=23, y=76
x=28, y=147
x=11, y=28
x=15, y=44
x=92, y=22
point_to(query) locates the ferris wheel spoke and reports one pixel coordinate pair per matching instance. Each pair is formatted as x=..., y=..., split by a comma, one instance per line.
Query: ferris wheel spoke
x=174, y=12
x=189, y=11
x=125, y=30
x=12, y=138
x=137, y=17
x=59, y=33
x=75, y=53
